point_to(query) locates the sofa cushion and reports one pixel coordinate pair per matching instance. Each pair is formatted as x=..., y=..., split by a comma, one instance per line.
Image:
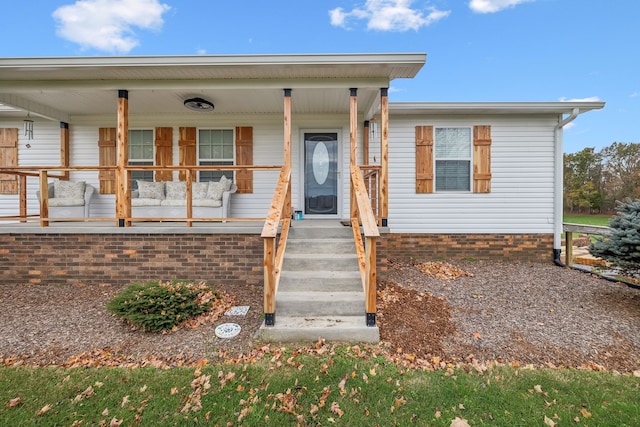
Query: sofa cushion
x=68, y=190
x=215, y=190
x=62, y=201
x=145, y=202
x=173, y=202
x=206, y=203
x=176, y=190
x=199, y=190
x=151, y=190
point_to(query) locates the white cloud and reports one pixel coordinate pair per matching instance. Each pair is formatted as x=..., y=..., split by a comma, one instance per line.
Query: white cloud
x=388, y=15
x=590, y=99
x=634, y=95
x=492, y=6
x=108, y=25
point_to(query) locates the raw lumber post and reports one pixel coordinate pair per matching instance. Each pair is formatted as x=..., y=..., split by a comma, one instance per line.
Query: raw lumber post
x=44, y=199
x=269, y=281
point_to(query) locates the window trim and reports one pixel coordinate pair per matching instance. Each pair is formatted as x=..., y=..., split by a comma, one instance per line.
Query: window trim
x=142, y=162
x=469, y=159
x=233, y=147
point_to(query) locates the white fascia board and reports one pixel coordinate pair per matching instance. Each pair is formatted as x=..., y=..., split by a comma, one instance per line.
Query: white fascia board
x=492, y=107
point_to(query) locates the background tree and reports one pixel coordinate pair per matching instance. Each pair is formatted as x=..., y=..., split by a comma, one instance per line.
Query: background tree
x=595, y=181
x=621, y=166
x=583, y=181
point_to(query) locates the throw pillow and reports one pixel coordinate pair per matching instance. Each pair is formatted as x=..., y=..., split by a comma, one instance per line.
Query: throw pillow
x=68, y=189
x=215, y=190
x=151, y=190
x=199, y=190
x=227, y=182
x=176, y=190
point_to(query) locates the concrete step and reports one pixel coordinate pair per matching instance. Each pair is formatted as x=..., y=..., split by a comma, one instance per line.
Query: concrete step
x=319, y=232
x=352, y=329
x=320, y=262
x=308, y=303
x=321, y=246
x=329, y=281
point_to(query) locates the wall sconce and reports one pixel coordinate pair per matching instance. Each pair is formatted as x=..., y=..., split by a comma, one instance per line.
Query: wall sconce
x=28, y=127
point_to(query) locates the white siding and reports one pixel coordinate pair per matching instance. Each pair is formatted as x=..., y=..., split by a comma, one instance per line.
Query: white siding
x=522, y=185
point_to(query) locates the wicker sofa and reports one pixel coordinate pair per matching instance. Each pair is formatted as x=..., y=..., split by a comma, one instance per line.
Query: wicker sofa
x=169, y=199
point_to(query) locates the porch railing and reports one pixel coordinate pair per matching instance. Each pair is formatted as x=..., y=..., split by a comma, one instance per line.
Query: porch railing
x=589, y=230
x=362, y=214
x=280, y=211
x=44, y=173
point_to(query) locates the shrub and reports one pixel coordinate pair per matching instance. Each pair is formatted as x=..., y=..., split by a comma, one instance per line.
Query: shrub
x=160, y=306
x=622, y=246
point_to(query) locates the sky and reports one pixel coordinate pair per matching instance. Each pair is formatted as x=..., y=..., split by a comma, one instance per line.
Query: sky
x=477, y=50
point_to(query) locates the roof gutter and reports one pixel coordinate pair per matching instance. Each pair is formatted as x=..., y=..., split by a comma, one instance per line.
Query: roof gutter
x=559, y=185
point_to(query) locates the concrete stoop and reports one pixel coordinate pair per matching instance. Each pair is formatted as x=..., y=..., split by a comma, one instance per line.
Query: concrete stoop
x=320, y=292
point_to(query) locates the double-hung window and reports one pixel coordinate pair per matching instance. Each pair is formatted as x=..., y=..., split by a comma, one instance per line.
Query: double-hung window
x=140, y=154
x=453, y=159
x=215, y=148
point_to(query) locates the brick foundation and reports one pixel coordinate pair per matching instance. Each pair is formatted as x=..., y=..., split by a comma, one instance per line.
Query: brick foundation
x=125, y=258
x=508, y=247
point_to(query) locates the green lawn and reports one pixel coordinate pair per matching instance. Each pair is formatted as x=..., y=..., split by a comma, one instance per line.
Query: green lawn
x=588, y=219
x=336, y=387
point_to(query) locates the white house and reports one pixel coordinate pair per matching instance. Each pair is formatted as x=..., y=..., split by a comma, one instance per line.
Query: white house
x=445, y=179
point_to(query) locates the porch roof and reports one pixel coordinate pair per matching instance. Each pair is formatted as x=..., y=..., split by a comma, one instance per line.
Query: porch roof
x=453, y=108
x=60, y=87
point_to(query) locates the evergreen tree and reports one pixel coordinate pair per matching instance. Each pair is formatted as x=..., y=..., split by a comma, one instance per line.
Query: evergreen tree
x=622, y=246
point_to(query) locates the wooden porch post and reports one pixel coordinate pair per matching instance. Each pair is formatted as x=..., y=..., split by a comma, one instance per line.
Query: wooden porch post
x=22, y=186
x=353, y=140
x=123, y=205
x=384, y=155
x=64, y=149
x=286, y=213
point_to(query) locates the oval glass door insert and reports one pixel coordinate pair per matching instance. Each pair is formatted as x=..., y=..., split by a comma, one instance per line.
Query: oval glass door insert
x=320, y=163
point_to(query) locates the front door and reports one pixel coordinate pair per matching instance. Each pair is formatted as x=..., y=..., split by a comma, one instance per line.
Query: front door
x=321, y=173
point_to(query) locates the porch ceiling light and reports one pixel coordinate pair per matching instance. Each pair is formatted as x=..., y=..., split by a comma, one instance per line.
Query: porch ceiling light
x=198, y=104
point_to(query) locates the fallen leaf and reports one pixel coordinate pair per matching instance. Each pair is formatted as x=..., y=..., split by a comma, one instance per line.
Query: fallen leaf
x=105, y=413
x=438, y=414
x=115, y=422
x=335, y=408
x=585, y=413
x=124, y=402
x=459, y=422
x=14, y=402
x=43, y=410
x=548, y=421
x=538, y=389
x=477, y=336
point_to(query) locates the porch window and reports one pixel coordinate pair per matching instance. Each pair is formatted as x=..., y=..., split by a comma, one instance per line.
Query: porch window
x=140, y=154
x=453, y=157
x=215, y=148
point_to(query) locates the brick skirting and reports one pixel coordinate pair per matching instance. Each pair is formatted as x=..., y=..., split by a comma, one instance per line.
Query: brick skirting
x=125, y=258
x=508, y=247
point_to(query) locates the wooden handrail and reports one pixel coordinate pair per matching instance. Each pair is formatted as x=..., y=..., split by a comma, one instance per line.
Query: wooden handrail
x=367, y=251
x=273, y=257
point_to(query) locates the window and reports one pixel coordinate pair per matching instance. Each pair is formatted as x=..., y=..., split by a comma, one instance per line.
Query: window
x=452, y=159
x=215, y=147
x=140, y=154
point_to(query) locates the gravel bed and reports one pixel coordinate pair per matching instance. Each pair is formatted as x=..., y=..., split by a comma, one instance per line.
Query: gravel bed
x=520, y=312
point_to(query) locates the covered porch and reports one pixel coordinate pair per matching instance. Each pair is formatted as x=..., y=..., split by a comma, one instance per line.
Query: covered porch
x=315, y=96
